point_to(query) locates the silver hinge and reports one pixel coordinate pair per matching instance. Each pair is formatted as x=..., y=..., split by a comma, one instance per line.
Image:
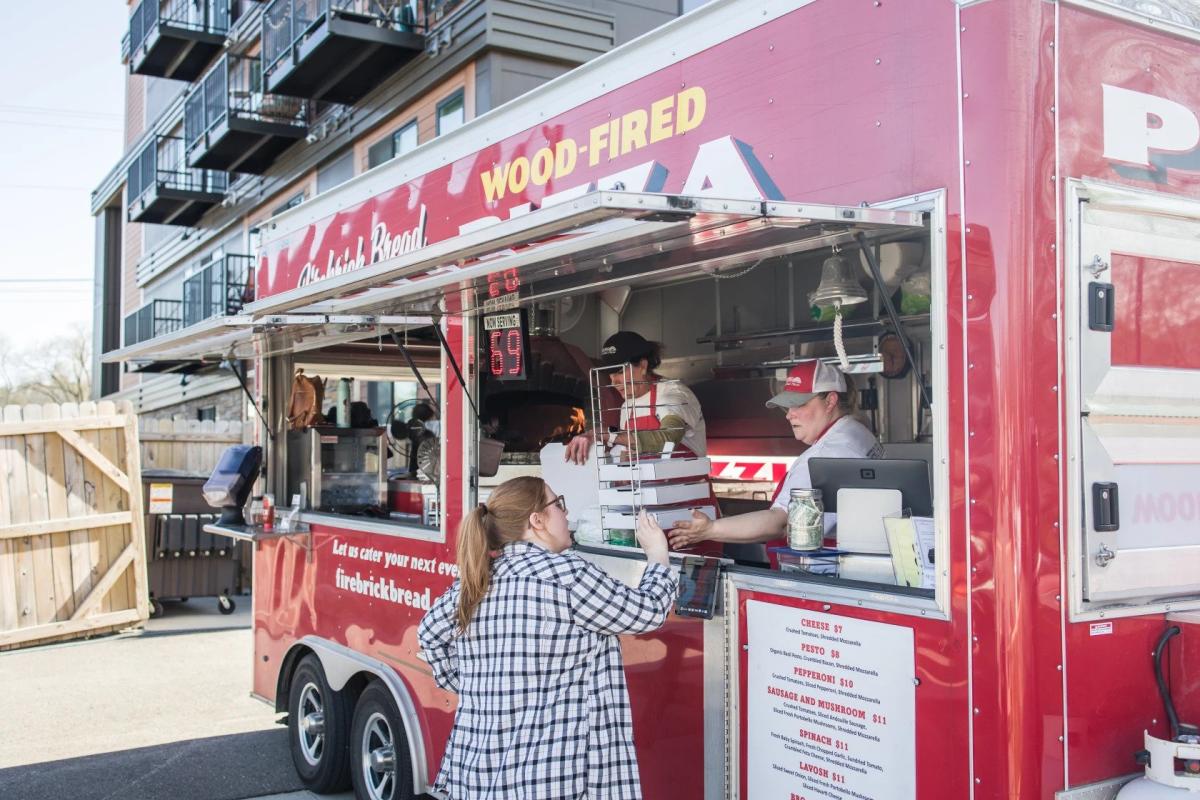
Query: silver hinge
x=1104, y=556
x=1097, y=266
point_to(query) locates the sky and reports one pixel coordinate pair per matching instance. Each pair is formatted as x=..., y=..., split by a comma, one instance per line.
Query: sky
x=61, y=107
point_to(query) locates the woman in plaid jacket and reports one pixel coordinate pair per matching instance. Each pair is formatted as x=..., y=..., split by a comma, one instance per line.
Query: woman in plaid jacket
x=527, y=637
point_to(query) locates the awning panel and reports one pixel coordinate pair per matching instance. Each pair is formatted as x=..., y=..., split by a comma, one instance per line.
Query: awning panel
x=634, y=246
x=241, y=336
x=663, y=215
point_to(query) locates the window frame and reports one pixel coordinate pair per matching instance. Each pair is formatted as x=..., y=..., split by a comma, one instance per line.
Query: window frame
x=280, y=370
x=458, y=95
x=391, y=138
x=881, y=597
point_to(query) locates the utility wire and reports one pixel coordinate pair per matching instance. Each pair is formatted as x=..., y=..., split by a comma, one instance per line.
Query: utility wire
x=43, y=280
x=43, y=110
x=63, y=127
x=44, y=187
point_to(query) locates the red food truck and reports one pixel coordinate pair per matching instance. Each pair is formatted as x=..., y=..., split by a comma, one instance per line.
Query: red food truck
x=1014, y=188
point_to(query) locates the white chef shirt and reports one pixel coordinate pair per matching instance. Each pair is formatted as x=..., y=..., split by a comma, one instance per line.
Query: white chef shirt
x=672, y=398
x=846, y=438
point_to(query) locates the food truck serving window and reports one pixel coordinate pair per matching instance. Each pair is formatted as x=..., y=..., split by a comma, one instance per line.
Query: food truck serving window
x=688, y=429
x=366, y=452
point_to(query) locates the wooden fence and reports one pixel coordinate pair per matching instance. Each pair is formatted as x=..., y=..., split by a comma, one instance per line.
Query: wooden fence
x=72, y=558
x=188, y=445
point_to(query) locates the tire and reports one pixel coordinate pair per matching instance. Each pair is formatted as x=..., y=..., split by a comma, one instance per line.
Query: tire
x=225, y=604
x=379, y=760
x=156, y=608
x=319, y=744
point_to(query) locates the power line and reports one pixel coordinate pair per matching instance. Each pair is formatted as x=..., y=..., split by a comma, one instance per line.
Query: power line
x=52, y=125
x=61, y=111
x=44, y=187
x=43, y=280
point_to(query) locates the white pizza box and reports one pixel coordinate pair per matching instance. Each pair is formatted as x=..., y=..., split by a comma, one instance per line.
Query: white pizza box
x=667, y=517
x=662, y=495
x=658, y=469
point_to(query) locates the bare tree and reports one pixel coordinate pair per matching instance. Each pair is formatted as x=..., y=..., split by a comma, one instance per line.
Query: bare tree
x=56, y=371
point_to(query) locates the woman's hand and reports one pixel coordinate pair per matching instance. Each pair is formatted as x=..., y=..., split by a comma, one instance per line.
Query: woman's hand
x=697, y=529
x=652, y=539
x=578, y=449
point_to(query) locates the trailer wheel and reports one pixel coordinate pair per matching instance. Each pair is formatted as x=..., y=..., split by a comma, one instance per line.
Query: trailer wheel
x=225, y=604
x=318, y=728
x=380, y=767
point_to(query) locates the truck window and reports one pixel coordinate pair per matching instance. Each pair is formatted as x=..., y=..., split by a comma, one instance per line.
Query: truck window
x=372, y=452
x=729, y=338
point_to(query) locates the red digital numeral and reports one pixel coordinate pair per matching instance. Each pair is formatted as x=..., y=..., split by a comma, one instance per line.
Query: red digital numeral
x=496, y=353
x=513, y=345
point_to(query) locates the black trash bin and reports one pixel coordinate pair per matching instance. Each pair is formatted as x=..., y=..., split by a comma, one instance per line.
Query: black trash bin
x=182, y=561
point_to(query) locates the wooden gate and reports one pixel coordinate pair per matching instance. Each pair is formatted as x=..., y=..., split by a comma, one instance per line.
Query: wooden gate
x=72, y=559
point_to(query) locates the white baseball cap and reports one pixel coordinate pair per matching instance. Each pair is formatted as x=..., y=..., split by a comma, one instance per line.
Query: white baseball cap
x=805, y=381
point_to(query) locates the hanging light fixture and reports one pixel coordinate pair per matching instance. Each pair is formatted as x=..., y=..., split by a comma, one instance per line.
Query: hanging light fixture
x=839, y=287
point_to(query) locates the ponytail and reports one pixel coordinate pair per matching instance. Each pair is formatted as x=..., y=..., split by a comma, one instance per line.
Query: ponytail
x=485, y=530
x=474, y=564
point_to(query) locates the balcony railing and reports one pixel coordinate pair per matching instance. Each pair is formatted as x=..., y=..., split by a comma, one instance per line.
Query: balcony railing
x=337, y=50
x=221, y=288
x=177, y=38
x=162, y=188
x=153, y=319
x=230, y=123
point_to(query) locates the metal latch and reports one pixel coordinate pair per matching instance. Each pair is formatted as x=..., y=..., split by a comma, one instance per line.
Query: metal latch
x=1097, y=266
x=1102, y=306
x=1104, y=556
x=1106, y=513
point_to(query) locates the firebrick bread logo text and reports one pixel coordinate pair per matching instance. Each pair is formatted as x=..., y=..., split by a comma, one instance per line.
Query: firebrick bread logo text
x=384, y=245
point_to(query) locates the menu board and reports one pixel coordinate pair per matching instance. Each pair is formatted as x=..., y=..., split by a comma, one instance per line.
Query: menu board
x=830, y=707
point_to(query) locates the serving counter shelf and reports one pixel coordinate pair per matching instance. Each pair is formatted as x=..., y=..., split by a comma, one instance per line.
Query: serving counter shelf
x=301, y=534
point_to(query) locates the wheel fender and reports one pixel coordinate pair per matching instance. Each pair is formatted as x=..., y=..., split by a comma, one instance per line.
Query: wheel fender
x=341, y=664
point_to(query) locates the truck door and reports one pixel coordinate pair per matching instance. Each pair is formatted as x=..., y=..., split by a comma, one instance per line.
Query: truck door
x=1134, y=399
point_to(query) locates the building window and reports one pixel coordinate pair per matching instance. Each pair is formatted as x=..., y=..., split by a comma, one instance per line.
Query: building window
x=400, y=142
x=291, y=203
x=451, y=113
x=335, y=172
x=206, y=413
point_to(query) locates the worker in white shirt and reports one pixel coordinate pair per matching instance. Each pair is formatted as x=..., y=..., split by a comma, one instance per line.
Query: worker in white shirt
x=820, y=408
x=656, y=410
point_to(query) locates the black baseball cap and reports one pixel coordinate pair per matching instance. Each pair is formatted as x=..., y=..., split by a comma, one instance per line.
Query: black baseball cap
x=625, y=347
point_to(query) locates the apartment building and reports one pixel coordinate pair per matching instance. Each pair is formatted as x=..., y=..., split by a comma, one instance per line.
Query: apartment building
x=237, y=110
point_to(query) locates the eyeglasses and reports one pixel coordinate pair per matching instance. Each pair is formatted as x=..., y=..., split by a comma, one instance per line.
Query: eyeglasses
x=559, y=501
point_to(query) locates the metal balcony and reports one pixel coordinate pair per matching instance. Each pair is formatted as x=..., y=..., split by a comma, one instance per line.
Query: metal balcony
x=229, y=123
x=176, y=38
x=338, y=50
x=153, y=319
x=220, y=289
x=161, y=187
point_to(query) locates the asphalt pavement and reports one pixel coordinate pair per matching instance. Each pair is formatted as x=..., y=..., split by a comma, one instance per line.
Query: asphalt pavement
x=163, y=713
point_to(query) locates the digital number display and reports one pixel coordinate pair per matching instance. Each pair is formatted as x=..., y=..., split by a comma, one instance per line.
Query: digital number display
x=503, y=282
x=506, y=342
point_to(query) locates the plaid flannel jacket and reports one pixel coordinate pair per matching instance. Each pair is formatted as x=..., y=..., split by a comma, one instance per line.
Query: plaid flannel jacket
x=543, y=711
